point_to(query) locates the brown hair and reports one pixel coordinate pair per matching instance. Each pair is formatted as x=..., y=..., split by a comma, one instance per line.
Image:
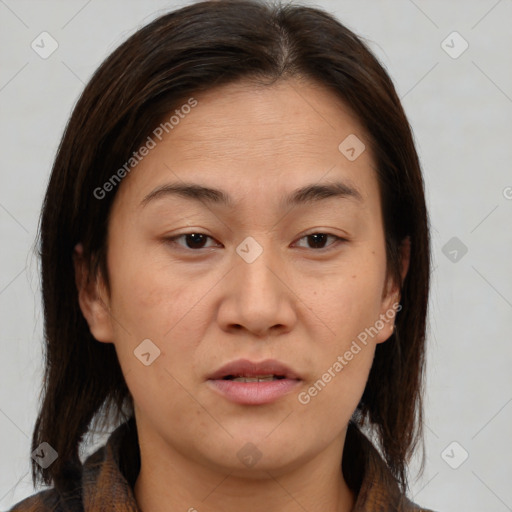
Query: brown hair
x=177, y=55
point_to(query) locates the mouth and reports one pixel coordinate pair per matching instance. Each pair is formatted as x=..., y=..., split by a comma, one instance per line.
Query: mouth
x=246, y=369
x=259, y=378
x=254, y=383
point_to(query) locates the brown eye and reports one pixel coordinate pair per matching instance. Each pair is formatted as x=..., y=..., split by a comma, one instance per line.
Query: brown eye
x=319, y=240
x=192, y=240
x=195, y=240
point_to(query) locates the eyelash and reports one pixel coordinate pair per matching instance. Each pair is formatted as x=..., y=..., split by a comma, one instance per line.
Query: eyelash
x=338, y=240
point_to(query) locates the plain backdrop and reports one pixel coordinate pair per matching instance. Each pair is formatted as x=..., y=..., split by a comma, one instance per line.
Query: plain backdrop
x=459, y=103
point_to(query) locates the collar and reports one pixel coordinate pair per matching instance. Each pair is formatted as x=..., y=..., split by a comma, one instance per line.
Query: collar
x=109, y=474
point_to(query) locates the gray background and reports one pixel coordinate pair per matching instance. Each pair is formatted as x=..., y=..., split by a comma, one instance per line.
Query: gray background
x=461, y=112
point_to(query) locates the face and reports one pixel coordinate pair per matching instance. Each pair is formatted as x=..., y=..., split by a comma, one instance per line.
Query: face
x=300, y=280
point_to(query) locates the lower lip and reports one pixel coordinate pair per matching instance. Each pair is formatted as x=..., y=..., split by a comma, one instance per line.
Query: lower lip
x=254, y=393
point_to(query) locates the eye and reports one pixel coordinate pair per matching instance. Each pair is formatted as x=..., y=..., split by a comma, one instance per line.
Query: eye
x=198, y=240
x=192, y=240
x=318, y=240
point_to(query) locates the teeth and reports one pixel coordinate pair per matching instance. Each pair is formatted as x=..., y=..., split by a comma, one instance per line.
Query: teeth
x=263, y=378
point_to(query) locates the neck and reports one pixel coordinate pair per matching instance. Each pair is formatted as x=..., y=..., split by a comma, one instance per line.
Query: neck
x=170, y=482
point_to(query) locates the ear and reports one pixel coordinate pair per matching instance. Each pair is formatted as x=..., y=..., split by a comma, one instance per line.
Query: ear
x=92, y=298
x=392, y=293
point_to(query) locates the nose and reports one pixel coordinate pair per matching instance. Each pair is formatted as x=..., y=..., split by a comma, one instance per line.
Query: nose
x=258, y=297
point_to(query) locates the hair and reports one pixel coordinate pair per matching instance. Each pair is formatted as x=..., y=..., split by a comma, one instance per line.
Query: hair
x=179, y=54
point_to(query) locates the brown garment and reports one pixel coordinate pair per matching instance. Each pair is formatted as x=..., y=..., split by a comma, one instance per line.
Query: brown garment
x=108, y=476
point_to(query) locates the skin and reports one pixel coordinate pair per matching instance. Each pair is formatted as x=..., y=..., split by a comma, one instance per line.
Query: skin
x=205, y=307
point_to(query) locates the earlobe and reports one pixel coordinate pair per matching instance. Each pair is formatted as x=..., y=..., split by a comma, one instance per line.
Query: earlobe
x=391, y=300
x=386, y=321
x=90, y=298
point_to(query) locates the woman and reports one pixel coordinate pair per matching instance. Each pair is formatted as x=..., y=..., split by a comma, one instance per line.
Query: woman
x=235, y=262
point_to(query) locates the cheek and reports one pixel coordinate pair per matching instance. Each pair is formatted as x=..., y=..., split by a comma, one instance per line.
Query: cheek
x=138, y=299
x=349, y=304
x=162, y=307
x=147, y=294
x=152, y=301
x=350, y=299
x=336, y=391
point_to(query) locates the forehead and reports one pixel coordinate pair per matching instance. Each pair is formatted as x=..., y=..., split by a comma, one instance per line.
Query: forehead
x=252, y=138
x=281, y=118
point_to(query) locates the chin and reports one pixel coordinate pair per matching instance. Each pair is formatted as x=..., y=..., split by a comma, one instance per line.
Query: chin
x=248, y=458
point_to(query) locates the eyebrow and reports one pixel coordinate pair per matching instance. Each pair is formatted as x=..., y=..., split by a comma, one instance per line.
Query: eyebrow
x=308, y=194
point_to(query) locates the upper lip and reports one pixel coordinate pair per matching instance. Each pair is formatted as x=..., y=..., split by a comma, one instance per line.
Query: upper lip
x=247, y=368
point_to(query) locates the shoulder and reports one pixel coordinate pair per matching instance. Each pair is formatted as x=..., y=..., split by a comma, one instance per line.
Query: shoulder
x=409, y=506
x=41, y=501
x=49, y=500
x=85, y=482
